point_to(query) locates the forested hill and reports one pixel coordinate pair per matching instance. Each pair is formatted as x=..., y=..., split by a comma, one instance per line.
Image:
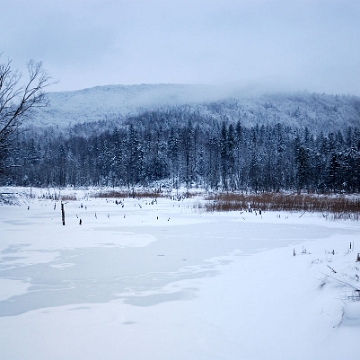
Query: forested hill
x=116, y=103
x=194, y=136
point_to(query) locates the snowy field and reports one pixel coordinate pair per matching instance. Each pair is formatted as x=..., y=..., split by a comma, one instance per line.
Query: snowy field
x=146, y=279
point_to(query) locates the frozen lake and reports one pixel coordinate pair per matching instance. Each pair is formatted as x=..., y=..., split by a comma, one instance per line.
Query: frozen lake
x=141, y=256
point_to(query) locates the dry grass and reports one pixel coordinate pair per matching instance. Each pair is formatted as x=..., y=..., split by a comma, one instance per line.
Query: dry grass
x=129, y=194
x=340, y=207
x=152, y=194
x=67, y=197
x=57, y=197
x=8, y=199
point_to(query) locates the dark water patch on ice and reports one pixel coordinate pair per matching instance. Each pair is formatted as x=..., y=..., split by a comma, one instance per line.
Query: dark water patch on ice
x=17, y=222
x=154, y=299
x=11, y=258
x=80, y=308
x=11, y=249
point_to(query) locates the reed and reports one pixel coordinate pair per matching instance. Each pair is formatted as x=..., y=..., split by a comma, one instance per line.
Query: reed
x=340, y=207
x=129, y=194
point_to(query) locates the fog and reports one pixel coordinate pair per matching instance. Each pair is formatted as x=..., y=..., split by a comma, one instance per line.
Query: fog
x=259, y=44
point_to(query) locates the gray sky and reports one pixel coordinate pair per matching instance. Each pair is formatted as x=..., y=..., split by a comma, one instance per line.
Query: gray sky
x=269, y=44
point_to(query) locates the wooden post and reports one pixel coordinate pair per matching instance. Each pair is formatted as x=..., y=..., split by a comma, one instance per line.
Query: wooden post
x=63, y=213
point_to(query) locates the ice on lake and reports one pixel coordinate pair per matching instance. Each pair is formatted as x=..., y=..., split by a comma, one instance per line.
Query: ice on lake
x=168, y=265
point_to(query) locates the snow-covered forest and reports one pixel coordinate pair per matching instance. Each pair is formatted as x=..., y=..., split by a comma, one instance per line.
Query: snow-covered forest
x=182, y=147
x=187, y=135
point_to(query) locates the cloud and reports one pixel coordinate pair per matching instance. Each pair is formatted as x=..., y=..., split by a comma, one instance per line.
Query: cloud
x=299, y=44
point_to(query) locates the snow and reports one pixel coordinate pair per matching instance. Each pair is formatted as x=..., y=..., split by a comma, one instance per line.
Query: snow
x=167, y=281
x=117, y=102
x=114, y=101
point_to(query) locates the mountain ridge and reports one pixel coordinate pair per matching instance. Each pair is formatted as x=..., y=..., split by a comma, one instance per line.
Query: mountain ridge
x=118, y=102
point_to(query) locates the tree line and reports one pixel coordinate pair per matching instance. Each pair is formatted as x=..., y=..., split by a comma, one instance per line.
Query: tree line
x=185, y=148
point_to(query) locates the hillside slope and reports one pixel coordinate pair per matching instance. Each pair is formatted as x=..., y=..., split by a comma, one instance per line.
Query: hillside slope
x=117, y=102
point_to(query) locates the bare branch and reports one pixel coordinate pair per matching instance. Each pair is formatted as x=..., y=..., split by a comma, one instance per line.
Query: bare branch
x=16, y=101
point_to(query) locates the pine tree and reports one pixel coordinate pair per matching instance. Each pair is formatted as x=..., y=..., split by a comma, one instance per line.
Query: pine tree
x=302, y=168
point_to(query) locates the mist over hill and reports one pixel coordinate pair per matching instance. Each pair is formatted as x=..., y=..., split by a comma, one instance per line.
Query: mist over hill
x=116, y=103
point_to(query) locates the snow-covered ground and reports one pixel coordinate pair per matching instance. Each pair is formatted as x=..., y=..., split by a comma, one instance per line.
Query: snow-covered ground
x=162, y=280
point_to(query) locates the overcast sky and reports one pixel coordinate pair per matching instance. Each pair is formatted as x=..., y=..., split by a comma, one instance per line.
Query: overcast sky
x=282, y=45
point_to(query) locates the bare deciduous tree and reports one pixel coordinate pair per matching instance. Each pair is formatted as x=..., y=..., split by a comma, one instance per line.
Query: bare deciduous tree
x=18, y=97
